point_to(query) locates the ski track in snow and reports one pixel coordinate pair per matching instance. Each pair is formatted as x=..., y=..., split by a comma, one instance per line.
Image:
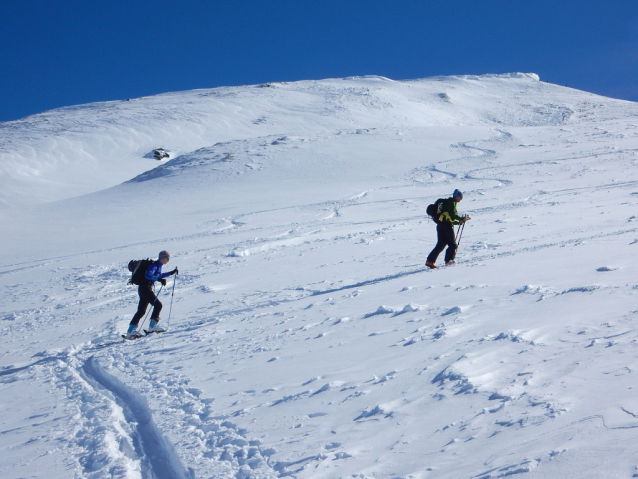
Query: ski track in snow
x=121, y=437
x=296, y=348
x=160, y=459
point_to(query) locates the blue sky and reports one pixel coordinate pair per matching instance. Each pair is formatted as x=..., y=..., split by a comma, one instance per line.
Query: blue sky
x=55, y=54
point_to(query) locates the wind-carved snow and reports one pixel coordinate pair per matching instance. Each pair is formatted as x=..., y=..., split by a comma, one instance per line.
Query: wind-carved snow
x=306, y=336
x=454, y=380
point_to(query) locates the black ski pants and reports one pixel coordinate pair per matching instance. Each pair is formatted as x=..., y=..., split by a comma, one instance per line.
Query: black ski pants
x=147, y=296
x=445, y=237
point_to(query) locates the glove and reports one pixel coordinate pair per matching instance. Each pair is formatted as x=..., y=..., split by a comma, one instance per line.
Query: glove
x=163, y=281
x=174, y=271
x=465, y=219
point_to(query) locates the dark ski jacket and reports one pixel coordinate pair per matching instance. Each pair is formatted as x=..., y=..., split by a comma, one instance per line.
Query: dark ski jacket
x=154, y=272
x=448, y=212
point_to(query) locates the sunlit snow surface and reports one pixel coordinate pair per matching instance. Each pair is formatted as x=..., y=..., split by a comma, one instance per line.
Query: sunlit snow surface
x=305, y=339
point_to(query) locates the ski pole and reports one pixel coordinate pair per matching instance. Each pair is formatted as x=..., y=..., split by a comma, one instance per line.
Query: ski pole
x=171, y=310
x=152, y=304
x=460, y=234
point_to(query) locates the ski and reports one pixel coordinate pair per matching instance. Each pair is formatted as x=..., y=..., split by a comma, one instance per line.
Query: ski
x=151, y=332
x=133, y=337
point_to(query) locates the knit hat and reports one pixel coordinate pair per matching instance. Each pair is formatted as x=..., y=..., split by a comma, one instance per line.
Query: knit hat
x=164, y=254
x=457, y=193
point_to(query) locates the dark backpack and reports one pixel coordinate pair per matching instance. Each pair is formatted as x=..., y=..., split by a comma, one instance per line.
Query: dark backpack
x=435, y=209
x=138, y=267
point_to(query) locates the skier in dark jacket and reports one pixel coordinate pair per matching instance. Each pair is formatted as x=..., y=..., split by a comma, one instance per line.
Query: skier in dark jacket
x=445, y=220
x=147, y=295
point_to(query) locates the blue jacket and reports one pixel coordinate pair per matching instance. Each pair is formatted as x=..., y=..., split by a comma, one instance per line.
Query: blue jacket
x=154, y=272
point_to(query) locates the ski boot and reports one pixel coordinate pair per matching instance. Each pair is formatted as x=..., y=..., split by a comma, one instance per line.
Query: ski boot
x=132, y=333
x=154, y=327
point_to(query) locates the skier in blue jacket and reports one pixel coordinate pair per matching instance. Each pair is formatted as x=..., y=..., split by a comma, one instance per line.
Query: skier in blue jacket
x=147, y=295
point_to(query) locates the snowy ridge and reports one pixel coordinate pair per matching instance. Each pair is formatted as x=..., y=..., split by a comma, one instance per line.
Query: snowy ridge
x=306, y=338
x=77, y=150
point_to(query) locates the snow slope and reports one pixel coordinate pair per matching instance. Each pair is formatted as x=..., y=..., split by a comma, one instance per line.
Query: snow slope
x=305, y=337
